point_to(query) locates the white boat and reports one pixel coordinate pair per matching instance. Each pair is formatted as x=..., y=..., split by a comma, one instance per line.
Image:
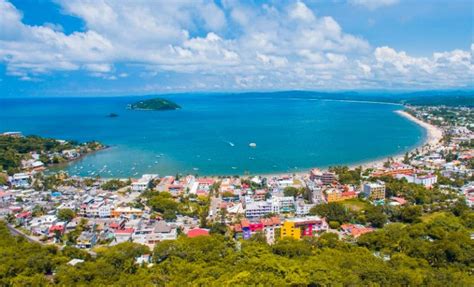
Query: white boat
x=252, y=145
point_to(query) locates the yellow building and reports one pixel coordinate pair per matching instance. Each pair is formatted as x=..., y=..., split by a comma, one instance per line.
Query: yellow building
x=289, y=229
x=299, y=227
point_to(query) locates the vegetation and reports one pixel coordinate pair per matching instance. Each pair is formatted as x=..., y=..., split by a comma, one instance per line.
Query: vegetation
x=436, y=251
x=156, y=104
x=114, y=184
x=346, y=175
x=15, y=149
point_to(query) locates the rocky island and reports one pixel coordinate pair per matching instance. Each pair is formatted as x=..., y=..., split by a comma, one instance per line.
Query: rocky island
x=156, y=104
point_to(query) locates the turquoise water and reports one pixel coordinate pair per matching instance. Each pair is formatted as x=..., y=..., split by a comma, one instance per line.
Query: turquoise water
x=211, y=134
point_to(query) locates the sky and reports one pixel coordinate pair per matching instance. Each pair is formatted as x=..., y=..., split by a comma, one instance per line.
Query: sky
x=101, y=47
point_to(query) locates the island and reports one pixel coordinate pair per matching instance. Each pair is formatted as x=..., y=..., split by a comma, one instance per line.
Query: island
x=156, y=104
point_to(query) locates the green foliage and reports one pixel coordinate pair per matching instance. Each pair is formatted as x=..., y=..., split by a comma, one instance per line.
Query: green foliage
x=156, y=104
x=293, y=191
x=114, y=184
x=435, y=252
x=333, y=211
x=66, y=214
x=346, y=175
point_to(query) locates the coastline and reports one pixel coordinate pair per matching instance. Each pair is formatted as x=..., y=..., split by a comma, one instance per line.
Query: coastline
x=433, y=136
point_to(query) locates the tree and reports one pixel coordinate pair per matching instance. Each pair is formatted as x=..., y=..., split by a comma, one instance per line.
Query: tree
x=66, y=214
x=332, y=212
x=291, y=191
x=376, y=216
x=218, y=228
x=410, y=214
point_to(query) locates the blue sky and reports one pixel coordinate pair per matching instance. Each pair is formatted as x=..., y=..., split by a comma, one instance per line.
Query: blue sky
x=100, y=47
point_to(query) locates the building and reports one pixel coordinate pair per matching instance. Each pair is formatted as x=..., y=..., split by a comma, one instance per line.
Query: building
x=195, y=232
x=355, y=230
x=427, y=180
x=267, y=226
x=20, y=180
x=374, y=190
x=128, y=212
x=86, y=240
x=143, y=183
x=258, y=209
x=303, y=208
x=283, y=204
x=328, y=178
x=335, y=194
x=298, y=227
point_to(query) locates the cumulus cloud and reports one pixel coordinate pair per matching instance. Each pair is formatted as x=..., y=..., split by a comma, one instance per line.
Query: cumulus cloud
x=230, y=45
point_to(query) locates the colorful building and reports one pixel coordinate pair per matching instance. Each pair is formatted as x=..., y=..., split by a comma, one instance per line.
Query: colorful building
x=298, y=227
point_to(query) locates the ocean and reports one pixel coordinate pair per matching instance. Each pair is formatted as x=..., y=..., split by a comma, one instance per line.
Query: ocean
x=211, y=134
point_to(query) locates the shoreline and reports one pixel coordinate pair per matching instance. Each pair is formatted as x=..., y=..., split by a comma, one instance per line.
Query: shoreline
x=433, y=136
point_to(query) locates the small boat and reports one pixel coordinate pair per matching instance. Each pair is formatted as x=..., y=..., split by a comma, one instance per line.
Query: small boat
x=231, y=144
x=252, y=145
x=195, y=168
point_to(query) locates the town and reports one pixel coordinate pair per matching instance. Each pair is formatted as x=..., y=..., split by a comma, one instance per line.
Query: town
x=91, y=212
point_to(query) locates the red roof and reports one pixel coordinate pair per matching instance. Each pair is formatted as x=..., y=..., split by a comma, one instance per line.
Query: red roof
x=124, y=231
x=56, y=228
x=348, y=193
x=23, y=214
x=400, y=200
x=197, y=232
x=205, y=181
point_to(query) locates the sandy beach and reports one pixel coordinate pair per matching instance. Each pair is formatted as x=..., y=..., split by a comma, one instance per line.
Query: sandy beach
x=434, y=135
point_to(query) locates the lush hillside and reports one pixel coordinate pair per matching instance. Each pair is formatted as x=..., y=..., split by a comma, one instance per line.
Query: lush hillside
x=157, y=104
x=436, y=251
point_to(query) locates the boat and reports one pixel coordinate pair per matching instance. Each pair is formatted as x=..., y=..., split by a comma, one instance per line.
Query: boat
x=252, y=145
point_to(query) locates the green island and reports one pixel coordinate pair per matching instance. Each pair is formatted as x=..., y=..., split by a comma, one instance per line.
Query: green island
x=156, y=104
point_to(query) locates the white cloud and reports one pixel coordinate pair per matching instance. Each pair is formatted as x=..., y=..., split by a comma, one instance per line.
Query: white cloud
x=373, y=4
x=231, y=45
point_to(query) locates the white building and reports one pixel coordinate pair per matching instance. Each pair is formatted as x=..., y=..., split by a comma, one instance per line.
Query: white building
x=257, y=209
x=144, y=182
x=282, y=204
x=427, y=180
x=303, y=208
x=20, y=180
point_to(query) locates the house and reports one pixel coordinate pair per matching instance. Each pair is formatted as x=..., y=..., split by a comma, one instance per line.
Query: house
x=86, y=239
x=195, y=232
x=396, y=201
x=355, y=230
x=427, y=180
x=21, y=180
x=128, y=212
x=143, y=183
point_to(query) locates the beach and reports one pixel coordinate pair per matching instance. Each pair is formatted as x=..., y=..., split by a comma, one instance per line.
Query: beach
x=433, y=137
